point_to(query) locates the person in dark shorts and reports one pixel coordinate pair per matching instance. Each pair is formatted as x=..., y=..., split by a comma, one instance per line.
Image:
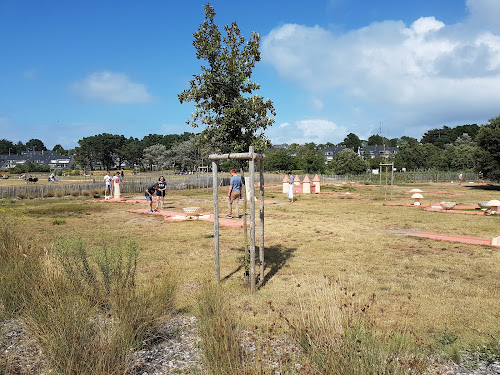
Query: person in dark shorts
x=150, y=191
x=160, y=193
x=234, y=193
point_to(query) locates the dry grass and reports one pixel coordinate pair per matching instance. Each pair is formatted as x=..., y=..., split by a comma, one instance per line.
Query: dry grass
x=434, y=287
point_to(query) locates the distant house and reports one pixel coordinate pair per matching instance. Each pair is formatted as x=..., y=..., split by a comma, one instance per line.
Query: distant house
x=51, y=158
x=330, y=152
x=376, y=151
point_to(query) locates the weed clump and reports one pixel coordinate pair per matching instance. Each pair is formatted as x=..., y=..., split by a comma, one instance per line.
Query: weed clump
x=90, y=313
x=218, y=328
x=338, y=336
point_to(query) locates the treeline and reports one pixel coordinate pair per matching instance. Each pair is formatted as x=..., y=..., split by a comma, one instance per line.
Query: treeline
x=462, y=148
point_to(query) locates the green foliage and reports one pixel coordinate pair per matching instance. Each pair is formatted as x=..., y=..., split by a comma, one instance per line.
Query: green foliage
x=227, y=165
x=116, y=264
x=185, y=156
x=59, y=149
x=35, y=145
x=348, y=162
x=155, y=155
x=352, y=141
x=446, y=135
x=377, y=140
x=280, y=160
x=233, y=117
x=89, y=317
x=488, y=157
x=30, y=167
x=7, y=147
x=310, y=160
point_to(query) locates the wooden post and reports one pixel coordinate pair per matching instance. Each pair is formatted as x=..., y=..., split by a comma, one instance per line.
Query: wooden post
x=243, y=196
x=216, y=220
x=261, y=242
x=252, y=219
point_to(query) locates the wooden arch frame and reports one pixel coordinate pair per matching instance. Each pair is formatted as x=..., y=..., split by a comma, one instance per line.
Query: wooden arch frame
x=251, y=156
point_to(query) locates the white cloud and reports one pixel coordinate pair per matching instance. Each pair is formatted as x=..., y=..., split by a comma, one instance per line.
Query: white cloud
x=484, y=12
x=317, y=104
x=112, y=87
x=409, y=74
x=305, y=131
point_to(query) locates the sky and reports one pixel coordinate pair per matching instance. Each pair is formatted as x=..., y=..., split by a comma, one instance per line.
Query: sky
x=72, y=69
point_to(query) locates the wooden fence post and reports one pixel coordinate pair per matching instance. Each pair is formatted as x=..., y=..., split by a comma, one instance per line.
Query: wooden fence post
x=216, y=221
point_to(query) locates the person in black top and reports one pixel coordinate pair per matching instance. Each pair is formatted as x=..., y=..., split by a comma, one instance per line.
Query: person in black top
x=160, y=193
x=149, y=195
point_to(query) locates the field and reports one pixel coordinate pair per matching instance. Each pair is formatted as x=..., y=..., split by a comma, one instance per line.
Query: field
x=444, y=294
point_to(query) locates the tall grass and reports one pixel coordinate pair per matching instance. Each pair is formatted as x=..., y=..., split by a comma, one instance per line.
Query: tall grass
x=338, y=336
x=220, y=341
x=90, y=313
x=20, y=267
x=83, y=305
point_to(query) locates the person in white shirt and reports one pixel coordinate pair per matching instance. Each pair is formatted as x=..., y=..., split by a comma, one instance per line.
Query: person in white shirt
x=107, y=181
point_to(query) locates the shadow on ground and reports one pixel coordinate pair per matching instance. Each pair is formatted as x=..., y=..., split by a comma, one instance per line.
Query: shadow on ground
x=275, y=258
x=490, y=187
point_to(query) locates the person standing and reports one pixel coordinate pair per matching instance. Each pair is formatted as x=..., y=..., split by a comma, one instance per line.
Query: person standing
x=116, y=185
x=234, y=194
x=160, y=193
x=150, y=191
x=290, y=186
x=107, y=182
x=460, y=178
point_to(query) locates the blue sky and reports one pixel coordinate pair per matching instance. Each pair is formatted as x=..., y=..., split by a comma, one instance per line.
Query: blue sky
x=75, y=69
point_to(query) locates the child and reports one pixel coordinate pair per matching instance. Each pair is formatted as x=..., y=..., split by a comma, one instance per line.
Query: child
x=149, y=196
x=160, y=193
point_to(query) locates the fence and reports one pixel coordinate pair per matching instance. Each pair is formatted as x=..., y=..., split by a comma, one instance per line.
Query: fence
x=130, y=186
x=139, y=183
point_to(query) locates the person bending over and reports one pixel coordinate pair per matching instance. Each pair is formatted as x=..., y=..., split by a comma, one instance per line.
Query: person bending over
x=150, y=191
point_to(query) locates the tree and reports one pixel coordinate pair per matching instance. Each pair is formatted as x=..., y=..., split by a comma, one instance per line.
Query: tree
x=352, y=141
x=35, y=145
x=460, y=157
x=151, y=139
x=446, y=135
x=376, y=140
x=420, y=156
x=309, y=159
x=488, y=157
x=59, y=149
x=184, y=156
x=348, y=162
x=234, y=118
x=464, y=139
x=405, y=141
x=280, y=160
x=156, y=155
x=132, y=151
x=7, y=147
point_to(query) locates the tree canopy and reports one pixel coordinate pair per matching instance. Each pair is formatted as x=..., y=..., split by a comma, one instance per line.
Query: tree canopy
x=348, y=162
x=488, y=155
x=234, y=118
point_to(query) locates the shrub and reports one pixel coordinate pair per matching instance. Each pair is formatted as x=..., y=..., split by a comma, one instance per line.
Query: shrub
x=89, y=313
